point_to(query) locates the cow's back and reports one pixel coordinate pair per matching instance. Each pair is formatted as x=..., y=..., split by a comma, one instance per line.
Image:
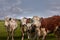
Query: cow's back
x=50, y=23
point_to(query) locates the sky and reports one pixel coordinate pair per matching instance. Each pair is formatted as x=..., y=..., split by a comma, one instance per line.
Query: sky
x=29, y=8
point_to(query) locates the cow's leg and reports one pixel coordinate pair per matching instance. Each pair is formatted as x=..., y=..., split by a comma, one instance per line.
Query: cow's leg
x=8, y=32
x=8, y=35
x=44, y=33
x=22, y=32
x=12, y=35
x=44, y=37
x=22, y=36
x=38, y=31
x=35, y=37
x=57, y=34
x=28, y=36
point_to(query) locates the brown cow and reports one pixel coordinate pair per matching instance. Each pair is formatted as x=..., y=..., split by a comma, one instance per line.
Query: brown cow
x=50, y=24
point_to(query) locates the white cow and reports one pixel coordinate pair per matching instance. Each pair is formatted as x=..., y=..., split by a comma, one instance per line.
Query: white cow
x=37, y=24
x=23, y=27
x=11, y=25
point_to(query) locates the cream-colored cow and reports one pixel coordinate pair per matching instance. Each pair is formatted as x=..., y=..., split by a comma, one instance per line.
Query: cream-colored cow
x=11, y=25
x=37, y=23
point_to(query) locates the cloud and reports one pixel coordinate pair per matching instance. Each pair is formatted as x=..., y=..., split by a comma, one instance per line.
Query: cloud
x=10, y=8
x=53, y=8
x=27, y=10
x=14, y=8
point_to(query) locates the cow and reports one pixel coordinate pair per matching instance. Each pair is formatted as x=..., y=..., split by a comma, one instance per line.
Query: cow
x=11, y=25
x=23, y=27
x=32, y=29
x=26, y=27
x=50, y=25
x=36, y=25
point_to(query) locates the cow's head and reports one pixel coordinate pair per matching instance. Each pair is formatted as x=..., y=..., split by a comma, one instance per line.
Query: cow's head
x=23, y=21
x=29, y=23
x=36, y=21
x=7, y=19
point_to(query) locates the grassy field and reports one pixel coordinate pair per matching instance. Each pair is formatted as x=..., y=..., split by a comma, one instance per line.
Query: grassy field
x=17, y=33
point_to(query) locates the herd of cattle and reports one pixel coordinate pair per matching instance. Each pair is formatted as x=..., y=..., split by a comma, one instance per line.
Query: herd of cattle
x=34, y=27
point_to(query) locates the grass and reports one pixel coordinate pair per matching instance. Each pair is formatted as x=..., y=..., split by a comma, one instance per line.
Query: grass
x=17, y=33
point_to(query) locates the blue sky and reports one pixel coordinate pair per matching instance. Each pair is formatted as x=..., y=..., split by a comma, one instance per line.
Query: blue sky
x=29, y=8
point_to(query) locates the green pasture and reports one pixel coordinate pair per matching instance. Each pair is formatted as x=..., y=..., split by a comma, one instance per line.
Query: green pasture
x=17, y=33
